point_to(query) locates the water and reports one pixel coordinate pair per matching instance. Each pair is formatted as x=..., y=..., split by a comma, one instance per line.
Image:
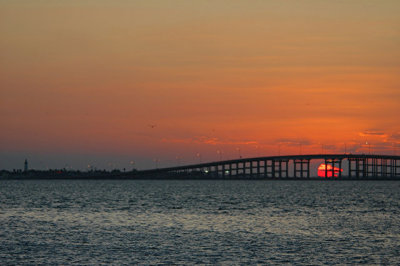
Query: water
x=208, y=222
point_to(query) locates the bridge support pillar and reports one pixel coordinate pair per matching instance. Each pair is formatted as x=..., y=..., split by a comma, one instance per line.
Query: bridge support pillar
x=265, y=169
x=285, y=168
x=391, y=163
x=268, y=168
x=349, y=168
x=273, y=168
x=280, y=168
x=360, y=167
x=374, y=167
x=277, y=168
x=304, y=167
x=223, y=170
x=333, y=162
x=384, y=167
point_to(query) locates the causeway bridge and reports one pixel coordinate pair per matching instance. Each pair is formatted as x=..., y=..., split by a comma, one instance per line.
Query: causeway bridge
x=337, y=166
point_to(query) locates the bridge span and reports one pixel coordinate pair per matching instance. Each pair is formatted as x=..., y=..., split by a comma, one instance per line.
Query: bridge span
x=355, y=166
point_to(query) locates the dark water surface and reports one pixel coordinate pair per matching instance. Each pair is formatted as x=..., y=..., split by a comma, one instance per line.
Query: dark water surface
x=208, y=222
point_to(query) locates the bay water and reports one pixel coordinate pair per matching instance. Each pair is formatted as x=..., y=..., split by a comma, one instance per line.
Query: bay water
x=214, y=222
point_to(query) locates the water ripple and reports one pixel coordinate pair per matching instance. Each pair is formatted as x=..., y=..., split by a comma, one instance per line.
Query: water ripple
x=206, y=222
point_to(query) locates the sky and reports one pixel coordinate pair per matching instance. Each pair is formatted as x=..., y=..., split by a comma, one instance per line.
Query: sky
x=122, y=84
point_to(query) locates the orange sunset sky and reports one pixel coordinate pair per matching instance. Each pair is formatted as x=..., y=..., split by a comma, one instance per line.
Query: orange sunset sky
x=126, y=83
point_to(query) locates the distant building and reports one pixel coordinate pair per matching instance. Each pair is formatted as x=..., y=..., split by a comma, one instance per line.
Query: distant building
x=26, y=165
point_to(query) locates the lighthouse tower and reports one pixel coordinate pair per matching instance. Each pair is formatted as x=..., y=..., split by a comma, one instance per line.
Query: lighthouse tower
x=26, y=165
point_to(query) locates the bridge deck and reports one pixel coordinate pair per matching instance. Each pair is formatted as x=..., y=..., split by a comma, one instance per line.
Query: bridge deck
x=358, y=165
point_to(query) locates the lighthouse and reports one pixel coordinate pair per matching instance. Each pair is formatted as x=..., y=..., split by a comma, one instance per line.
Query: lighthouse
x=26, y=165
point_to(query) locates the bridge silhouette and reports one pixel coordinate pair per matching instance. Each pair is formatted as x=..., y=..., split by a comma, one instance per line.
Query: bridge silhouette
x=357, y=166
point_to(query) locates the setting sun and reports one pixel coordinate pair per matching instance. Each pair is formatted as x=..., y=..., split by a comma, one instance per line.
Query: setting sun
x=326, y=171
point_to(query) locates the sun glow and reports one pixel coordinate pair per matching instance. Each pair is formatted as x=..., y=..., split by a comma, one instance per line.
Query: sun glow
x=326, y=171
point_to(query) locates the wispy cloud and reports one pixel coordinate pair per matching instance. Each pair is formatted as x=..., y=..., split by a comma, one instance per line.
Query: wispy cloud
x=368, y=133
x=293, y=141
x=384, y=137
x=209, y=141
x=394, y=137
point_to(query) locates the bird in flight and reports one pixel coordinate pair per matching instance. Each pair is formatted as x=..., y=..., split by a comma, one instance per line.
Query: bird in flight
x=152, y=126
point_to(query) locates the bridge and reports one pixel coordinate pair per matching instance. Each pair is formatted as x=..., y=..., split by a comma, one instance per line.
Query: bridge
x=339, y=166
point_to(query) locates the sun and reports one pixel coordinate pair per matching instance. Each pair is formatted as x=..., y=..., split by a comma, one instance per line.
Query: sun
x=326, y=170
